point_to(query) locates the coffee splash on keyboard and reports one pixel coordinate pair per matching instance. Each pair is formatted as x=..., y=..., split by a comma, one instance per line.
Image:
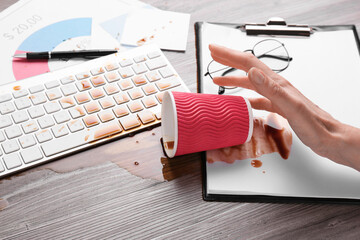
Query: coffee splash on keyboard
x=270, y=135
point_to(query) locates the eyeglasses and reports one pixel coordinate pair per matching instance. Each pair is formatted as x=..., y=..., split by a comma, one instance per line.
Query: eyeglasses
x=271, y=52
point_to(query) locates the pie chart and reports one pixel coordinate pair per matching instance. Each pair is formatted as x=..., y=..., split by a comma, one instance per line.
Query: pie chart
x=70, y=33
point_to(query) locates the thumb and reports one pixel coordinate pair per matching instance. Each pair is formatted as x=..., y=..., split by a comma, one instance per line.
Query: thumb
x=267, y=87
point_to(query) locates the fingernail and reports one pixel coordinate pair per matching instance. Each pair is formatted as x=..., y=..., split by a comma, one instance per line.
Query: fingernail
x=212, y=45
x=258, y=77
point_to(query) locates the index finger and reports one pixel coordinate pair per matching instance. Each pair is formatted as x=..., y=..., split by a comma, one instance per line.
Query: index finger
x=236, y=59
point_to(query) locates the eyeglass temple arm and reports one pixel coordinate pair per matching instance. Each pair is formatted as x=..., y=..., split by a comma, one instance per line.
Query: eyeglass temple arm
x=282, y=58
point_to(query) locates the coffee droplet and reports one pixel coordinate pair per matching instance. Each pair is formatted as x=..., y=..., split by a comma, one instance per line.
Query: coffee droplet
x=136, y=163
x=256, y=163
x=169, y=145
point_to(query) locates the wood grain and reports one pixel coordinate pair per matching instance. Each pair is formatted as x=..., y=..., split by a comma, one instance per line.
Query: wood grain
x=101, y=193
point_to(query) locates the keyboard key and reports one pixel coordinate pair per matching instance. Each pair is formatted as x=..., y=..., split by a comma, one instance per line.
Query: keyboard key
x=60, y=130
x=43, y=135
x=125, y=84
x=6, y=107
x=38, y=98
x=5, y=97
x=53, y=94
x=82, y=75
x=126, y=72
x=135, y=106
x=111, y=66
x=82, y=97
x=31, y=154
x=149, y=89
x=97, y=81
x=91, y=120
x=136, y=93
x=166, y=72
x=61, y=117
x=20, y=116
x=46, y=121
x=139, y=68
x=29, y=127
x=168, y=83
x=130, y=122
x=121, y=98
x=5, y=121
x=35, y=112
x=154, y=54
x=2, y=137
x=67, y=102
x=52, y=107
x=146, y=116
x=140, y=58
x=92, y=107
x=158, y=115
x=67, y=80
x=12, y=161
x=97, y=93
x=149, y=102
x=37, y=88
x=10, y=146
x=77, y=112
x=126, y=62
x=27, y=141
x=153, y=76
x=139, y=80
x=111, y=88
x=75, y=125
x=97, y=71
x=20, y=93
x=68, y=90
x=107, y=102
x=22, y=103
x=156, y=63
x=13, y=132
x=112, y=77
x=52, y=84
x=121, y=111
x=106, y=130
x=83, y=85
x=106, y=116
x=1, y=166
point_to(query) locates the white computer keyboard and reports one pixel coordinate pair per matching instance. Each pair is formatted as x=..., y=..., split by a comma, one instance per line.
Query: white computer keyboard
x=58, y=113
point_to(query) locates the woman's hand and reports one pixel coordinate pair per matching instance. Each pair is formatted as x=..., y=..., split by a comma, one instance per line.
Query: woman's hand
x=315, y=128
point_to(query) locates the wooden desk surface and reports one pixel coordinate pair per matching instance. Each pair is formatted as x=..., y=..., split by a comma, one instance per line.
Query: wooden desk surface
x=104, y=193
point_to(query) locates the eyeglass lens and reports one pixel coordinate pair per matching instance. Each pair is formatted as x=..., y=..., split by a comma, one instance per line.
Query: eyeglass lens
x=273, y=53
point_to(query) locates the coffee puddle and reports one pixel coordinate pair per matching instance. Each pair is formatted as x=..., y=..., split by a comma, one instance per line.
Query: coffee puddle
x=270, y=135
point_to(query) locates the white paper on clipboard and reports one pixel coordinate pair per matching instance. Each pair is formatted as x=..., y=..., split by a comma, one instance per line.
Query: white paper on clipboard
x=325, y=68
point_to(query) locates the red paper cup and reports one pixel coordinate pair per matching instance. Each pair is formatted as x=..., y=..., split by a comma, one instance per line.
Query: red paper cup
x=193, y=122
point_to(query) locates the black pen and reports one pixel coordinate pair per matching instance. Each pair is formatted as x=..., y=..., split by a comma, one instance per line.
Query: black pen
x=65, y=54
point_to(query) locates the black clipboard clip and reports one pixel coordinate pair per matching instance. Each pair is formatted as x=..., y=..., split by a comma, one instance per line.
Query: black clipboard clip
x=277, y=26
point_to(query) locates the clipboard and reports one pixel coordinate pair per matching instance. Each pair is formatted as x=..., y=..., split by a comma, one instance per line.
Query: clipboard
x=278, y=29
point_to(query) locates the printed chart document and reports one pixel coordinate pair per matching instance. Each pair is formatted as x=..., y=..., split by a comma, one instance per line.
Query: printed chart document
x=42, y=25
